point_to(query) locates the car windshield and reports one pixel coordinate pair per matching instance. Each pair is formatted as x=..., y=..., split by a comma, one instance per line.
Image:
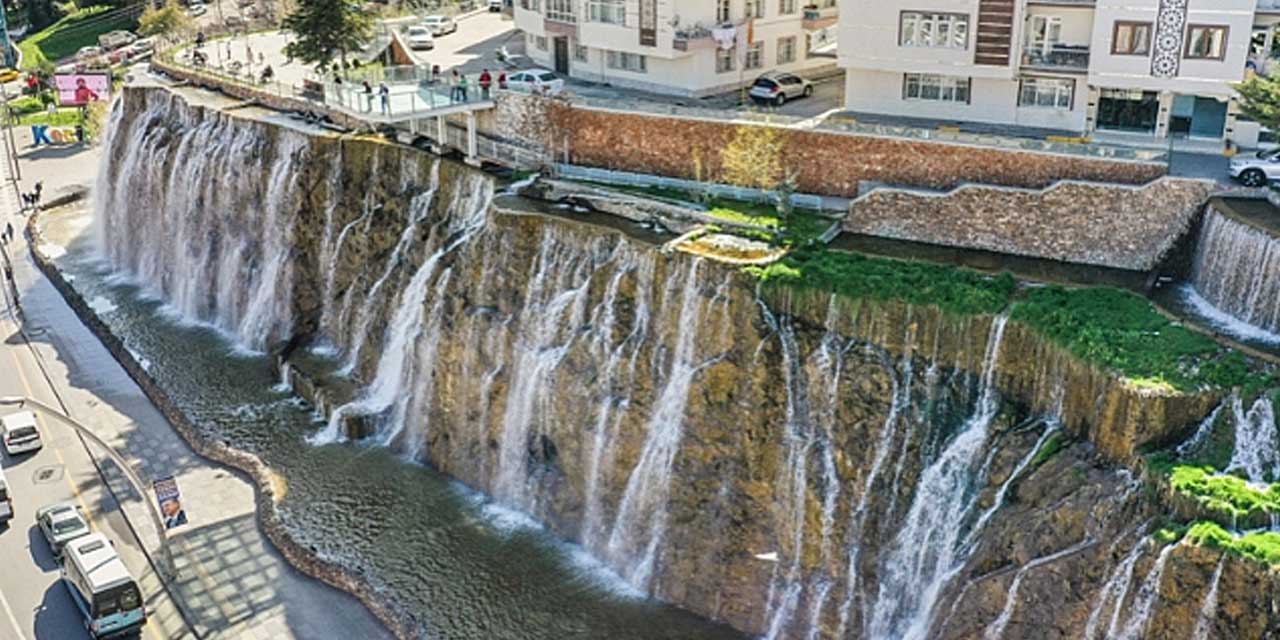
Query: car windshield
x=547, y=77
x=69, y=525
x=23, y=432
x=4, y=492
x=116, y=599
x=417, y=31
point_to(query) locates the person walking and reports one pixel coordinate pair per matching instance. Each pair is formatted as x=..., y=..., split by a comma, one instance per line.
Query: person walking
x=486, y=81
x=8, y=232
x=39, y=190
x=462, y=88
x=368, y=97
x=385, y=93
x=453, y=85
x=502, y=80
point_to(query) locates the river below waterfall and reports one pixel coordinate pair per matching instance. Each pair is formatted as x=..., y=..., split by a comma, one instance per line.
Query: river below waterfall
x=463, y=566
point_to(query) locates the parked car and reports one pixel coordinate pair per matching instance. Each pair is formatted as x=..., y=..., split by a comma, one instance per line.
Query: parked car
x=420, y=37
x=495, y=6
x=1256, y=170
x=20, y=433
x=89, y=53
x=440, y=25
x=777, y=88
x=535, y=81
x=197, y=9
x=235, y=22
x=6, y=501
x=9, y=75
x=61, y=523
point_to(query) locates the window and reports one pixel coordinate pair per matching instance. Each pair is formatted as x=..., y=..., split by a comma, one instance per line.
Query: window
x=1054, y=93
x=755, y=8
x=607, y=11
x=937, y=30
x=1131, y=39
x=579, y=53
x=928, y=86
x=787, y=50
x=626, y=61
x=724, y=59
x=722, y=10
x=540, y=43
x=1044, y=34
x=786, y=7
x=561, y=10
x=1206, y=42
x=755, y=56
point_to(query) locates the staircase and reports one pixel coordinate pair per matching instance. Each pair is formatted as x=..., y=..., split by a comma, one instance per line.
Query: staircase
x=994, y=40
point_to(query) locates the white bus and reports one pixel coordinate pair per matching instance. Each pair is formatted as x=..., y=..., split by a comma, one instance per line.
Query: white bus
x=100, y=585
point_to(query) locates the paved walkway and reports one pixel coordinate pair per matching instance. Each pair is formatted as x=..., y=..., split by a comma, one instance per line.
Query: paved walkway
x=232, y=583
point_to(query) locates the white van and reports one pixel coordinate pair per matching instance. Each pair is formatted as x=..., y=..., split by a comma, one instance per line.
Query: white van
x=6, y=501
x=20, y=433
x=106, y=595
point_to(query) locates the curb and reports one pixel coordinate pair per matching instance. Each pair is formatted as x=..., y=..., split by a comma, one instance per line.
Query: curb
x=302, y=558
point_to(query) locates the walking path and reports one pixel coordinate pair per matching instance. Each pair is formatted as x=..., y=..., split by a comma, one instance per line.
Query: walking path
x=232, y=583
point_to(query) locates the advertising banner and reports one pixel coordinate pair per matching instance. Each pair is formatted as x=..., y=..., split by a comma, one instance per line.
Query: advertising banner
x=78, y=89
x=170, y=502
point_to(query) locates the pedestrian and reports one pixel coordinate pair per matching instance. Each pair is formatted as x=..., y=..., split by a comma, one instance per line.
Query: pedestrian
x=453, y=85
x=462, y=88
x=486, y=81
x=435, y=73
x=8, y=232
x=502, y=80
x=368, y=97
x=384, y=92
x=261, y=58
x=248, y=54
x=38, y=191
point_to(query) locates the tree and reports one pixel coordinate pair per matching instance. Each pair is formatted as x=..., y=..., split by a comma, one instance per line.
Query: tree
x=753, y=158
x=1260, y=99
x=164, y=20
x=326, y=29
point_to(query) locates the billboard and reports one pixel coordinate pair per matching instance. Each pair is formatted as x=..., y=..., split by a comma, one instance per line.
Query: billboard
x=170, y=502
x=76, y=89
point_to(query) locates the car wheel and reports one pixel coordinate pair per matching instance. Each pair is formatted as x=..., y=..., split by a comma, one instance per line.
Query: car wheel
x=780, y=100
x=808, y=90
x=1253, y=178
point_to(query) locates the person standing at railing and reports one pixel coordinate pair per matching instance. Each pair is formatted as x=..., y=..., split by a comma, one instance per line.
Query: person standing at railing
x=486, y=81
x=453, y=85
x=385, y=93
x=462, y=88
x=368, y=97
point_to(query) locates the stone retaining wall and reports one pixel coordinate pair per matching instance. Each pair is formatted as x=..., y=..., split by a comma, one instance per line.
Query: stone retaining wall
x=826, y=162
x=1086, y=223
x=301, y=557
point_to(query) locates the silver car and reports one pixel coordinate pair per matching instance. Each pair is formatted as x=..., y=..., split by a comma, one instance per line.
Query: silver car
x=1256, y=170
x=439, y=25
x=61, y=523
x=777, y=88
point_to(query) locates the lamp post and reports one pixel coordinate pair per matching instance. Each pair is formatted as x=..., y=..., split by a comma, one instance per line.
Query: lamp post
x=166, y=566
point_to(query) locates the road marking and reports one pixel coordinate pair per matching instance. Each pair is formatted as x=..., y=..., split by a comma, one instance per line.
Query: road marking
x=12, y=618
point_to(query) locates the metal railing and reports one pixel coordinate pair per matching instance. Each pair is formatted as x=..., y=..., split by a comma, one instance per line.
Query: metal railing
x=1058, y=56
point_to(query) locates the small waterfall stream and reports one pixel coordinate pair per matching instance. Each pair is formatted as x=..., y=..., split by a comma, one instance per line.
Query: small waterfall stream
x=1209, y=606
x=1237, y=271
x=1256, y=451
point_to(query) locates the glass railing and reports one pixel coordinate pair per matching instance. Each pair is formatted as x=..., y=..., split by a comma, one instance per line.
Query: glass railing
x=1058, y=56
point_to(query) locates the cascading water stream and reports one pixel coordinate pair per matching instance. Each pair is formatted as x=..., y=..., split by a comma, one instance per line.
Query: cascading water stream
x=1209, y=606
x=1256, y=452
x=1237, y=271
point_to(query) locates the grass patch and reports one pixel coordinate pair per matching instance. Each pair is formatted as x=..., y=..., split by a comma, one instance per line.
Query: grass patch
x=77, y=29
x=1262, y=546
x=854, y=275
x=1056, y=442
x=1122, y=332
x=1171, y=534
x=60, y=118
x=1224, y=494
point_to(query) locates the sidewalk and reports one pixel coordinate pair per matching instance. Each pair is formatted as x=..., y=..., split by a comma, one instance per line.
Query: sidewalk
x=232, y=583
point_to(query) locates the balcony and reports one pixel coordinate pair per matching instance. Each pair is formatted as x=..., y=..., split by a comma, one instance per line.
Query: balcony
x=820, y=18
x=695, y=38
x=1057, y=57
x=1269, y=6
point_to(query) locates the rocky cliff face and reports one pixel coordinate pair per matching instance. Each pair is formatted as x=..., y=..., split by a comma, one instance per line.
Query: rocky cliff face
x=798, y=465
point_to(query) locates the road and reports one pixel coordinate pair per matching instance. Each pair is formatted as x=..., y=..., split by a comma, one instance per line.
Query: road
x=35, y=604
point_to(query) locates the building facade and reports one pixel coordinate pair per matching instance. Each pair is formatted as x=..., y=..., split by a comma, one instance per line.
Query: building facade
x=1128, y=69
x=680, y=47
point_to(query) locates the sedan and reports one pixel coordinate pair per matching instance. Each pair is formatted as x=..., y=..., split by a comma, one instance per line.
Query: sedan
x=1256, y=170
x=61, y=523
x=20, y=433
x=440, y=25
x=778, y=88
x=535, y=81
x=420, y=38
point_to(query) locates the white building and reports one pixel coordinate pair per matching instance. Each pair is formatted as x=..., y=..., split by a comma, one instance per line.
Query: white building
x=1129, y=69
x=670, y=46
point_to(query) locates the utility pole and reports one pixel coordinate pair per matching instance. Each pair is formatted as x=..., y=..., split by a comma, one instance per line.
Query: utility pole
x=167, y=568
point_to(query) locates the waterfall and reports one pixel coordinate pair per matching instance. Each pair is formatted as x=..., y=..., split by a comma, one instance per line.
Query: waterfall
x=635, y=540
x=1144, y=601
x=1256, y=452
x=1202, y=432
x=1209, y=607
x=1115, y=590
x=930, y=546
x=1237, y=270
x=995, y=630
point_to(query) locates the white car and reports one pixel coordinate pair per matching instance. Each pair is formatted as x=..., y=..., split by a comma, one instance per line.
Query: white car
x=495, y=6
x=538, y=81
x=1256, y=170
x=61, y=523
x=19, y=432
x=6, y=501
x=440, y=25
x=197, y=9
x=420, y=38
x=778, y=88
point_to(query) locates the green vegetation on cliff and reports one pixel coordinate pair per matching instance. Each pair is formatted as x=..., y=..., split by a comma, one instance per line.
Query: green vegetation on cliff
x=1226, y=494
x=1121, y=331
x=858, y=276
x=1262, y=546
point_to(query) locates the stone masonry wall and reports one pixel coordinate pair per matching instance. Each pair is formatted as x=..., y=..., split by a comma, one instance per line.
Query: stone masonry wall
x=1111, y=226
x=826, y=162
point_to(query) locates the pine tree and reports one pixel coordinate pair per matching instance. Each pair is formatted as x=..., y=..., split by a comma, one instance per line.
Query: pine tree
x=327, y=29
x=1260, y=100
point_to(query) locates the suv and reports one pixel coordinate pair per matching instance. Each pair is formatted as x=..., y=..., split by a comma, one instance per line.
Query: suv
x=777, y=88
x=20, y=433
x=1256, y=170
x=495, y=6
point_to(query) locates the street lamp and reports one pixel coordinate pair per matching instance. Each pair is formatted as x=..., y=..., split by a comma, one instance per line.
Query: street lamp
x=166, y=566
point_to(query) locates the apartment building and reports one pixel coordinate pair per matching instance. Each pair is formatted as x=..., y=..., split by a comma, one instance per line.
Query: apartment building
x=679, y=47
x=1124, y=69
